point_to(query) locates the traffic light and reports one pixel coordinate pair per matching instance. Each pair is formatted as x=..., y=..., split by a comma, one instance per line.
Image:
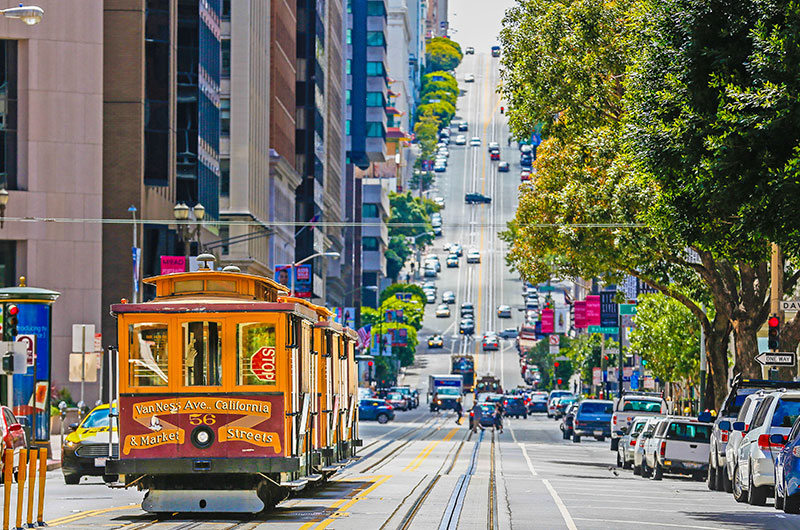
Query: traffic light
x=10, y=321
x=559, y=381
x=774, y=334
x=502, y=110
x=369, y=363
x=555, y=364
x=8, y=363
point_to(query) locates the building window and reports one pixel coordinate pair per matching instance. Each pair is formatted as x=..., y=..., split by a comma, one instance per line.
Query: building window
x=347, y=97
x=375, y=99
x=156, y=93
x=375, y=129
x=369, y=209
x=226, y=9
x=224, y=236
x=349, y=36
x=225, y=116
x=225, y=66
x=347, y=66
x=347, y=128
x=370, y=243
x=376, y=9
x=8, y=113
x=375, y=38
x=225, y=177
x=376, y=68
x=8, y=263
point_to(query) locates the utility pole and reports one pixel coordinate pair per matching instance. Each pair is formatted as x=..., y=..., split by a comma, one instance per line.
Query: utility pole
x=703, y=366
x=776, y=288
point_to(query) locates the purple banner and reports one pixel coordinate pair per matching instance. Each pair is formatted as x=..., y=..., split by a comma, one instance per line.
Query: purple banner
x=593, y=310
x=580, y=314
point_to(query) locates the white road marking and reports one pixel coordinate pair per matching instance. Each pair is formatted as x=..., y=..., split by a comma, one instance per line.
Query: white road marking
x=648, y=524
x=527, y=459
x=562, y=507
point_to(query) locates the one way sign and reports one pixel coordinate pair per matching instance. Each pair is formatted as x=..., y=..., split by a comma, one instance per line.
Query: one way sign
x=777, y=359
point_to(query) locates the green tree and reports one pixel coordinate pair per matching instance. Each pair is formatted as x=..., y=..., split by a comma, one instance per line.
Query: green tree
x=443, y=95
x=442, y=54
x=396, y=255
x=439, y=80
x=416, y=292
x=426, y=131
x=441, y=110
x=409, y=218
x=667, y=336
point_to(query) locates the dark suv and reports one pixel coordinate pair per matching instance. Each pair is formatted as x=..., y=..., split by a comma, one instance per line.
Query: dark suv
x=718, y=478
x=515, y=406
x=477, y=198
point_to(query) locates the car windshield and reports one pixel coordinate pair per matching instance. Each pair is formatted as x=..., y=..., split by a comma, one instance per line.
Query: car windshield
x=637, y=427
x=641, y=405
x=689, y=432
x=395, y=395
x=786, y=412
x=97, y=419
x=733, y=409
x=596, y=408
x=448, y=392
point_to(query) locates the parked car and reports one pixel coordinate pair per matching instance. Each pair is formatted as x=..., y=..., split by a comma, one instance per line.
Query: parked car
x=430, y=296
x=443, y=311
x=449, y=297
x=439, y=201
x=463, y=126
x=375, y=409
x=641, y=444
x=553, y=395
x=679, y=445
x=12, y=436
x=474, y=141
x=593, y=418
x=740, y=389
x=563, y=404
x=473, y=256
x=467, y=310
x=787, y=471
x=457, y=249
x=733, y=438
x=627, y=444
x=461, y=140
x=469, y=78
x=504, y=311
x=503, y=167
x=466, y=326
x=567, y=421
x=435, y=341
x=509, y=333
x=430, y=272
x=754, y=475
x=85, y=450
x=630, y=405
x=514, y=407
x=469, y=51
x=477, y=198
x=491, y=342
x=524, y=176
x=452, y=261
x=411, y=395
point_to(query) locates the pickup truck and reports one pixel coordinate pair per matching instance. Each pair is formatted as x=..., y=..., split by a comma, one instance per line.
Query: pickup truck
x=631, y=405
x=678, y=445
x=592, y=419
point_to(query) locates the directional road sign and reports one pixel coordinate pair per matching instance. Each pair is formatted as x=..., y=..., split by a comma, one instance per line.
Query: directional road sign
x=781, y=358
x=789, y=305
x=604, y=329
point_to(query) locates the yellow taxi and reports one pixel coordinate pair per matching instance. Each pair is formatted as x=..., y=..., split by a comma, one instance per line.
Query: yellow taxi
x=85, y=450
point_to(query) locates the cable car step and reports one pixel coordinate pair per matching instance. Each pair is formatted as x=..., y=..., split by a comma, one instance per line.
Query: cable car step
x=316, y=477
x=295, y=485
x=211, y=501
x=331, y=469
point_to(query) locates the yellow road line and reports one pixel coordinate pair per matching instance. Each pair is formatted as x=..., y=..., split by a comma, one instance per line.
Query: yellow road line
x=346, y=506
x=414, y=465
x=89, y=513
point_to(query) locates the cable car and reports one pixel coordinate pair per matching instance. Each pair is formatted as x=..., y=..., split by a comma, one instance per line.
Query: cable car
x=224, y=402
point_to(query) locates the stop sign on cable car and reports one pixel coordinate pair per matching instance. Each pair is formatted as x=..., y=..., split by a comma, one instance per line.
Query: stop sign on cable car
x=262, y=364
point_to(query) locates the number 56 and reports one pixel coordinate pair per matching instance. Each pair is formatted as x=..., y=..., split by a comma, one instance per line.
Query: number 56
x=202, y=419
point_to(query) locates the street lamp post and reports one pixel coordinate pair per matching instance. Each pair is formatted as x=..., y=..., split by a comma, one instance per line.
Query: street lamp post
x=334, y=255
x=186, y=232
x=28, y=14
x=413, y=240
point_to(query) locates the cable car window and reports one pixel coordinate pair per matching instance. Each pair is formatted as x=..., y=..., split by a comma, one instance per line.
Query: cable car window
x=226, y=286
x=147, y=354
x=188, y=286
x=202, y=353
x=255, y=354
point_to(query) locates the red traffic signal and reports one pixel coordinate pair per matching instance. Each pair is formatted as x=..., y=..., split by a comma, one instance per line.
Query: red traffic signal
x=774, y=333
x=555, y=364
x=559, y=381
x=369, y=363
x=13, y=310
x=502, y=110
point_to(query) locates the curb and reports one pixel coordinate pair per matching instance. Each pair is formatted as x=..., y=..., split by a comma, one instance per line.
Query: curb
x=52, y=465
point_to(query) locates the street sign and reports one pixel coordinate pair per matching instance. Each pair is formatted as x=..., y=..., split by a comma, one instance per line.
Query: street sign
x=789, y=305
x=612, y=351
x=782, y=358
x=627, y=309
x=554, y=349
x=607, y=330
x=554, y=340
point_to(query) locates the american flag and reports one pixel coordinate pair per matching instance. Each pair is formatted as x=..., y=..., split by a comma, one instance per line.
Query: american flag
x=364, y=335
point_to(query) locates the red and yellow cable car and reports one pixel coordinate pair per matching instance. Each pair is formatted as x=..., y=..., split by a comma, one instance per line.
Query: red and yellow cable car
x=231, y=394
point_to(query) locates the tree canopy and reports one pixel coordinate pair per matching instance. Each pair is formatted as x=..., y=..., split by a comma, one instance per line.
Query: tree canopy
x=442, y=53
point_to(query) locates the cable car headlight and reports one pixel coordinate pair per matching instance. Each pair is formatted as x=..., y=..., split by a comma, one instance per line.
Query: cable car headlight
x=202, y=437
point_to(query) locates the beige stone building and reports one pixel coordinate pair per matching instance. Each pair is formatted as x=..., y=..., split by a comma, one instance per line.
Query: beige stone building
x=51, y=127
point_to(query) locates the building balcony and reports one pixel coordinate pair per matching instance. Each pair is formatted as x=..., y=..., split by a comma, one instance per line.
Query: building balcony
x=373, y=261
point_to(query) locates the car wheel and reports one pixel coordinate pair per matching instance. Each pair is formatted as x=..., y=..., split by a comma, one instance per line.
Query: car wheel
x=564, y=435
x=779, y=501
x=600, y=438
x=626, y=464
x=614, y=444
x=108, y=479
x=739, y=493
x=383, y=418
x=658, y=471
x=757, y=494
x=712, y=475
x=524, y=416
x=72, y=479
x=791, y=504
x=619, y=460
x=576, y=439
x=727, y=485
x=637, y=471
x=646, y=472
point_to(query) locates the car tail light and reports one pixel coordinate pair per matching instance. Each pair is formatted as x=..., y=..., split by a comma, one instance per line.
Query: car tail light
x=505, y=402
x=723, y=436
x=765, y=443
x=633, y=442
x=663, y=450
x=614, y=420
x=389, y=406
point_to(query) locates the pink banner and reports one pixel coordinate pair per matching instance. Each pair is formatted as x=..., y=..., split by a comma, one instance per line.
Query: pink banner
x=580, y=314
x=593, y=310
x=172, y=264
x=548, y=321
